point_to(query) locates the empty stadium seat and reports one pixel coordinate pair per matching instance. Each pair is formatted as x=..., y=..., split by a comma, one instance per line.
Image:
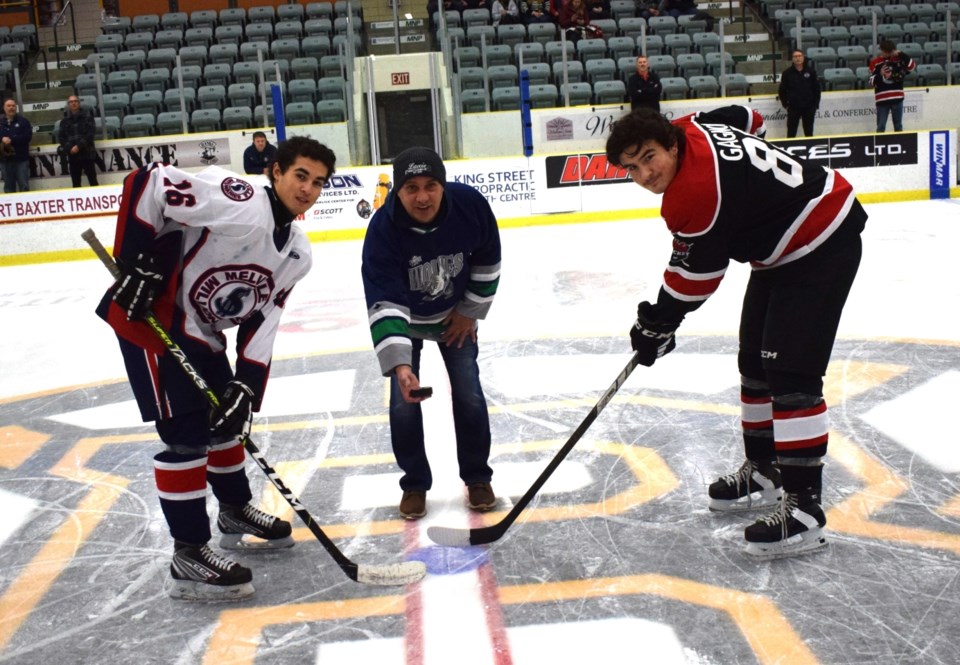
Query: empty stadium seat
x=839, y=78
x=506, y=98
x=146, y=101
x=579, y=93
x=703, y=86
x=474, y=101
x=137, y=125
x=332, y=87
x=331, y=110
x=302, y=90
x=300, y=113
x=205, y=120
x=170, y=122
x=543, y=96
x=609, y=92
x=674, y=87
x=734, y=85
x=538, y=73
x=237, y=117
x=177, y=99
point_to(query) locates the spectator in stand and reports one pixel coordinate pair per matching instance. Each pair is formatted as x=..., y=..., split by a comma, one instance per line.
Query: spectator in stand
x=644, y=87
x=504, y=12
x=448, y=6
x=598, y=9
x=476, y=4
x=800, y=94
x=887, y=73
x=536, y=11
x=648, y=8
x=15, y=136
x=678, y=8
x=575, y=21
x=77, y=132
x=258, y=156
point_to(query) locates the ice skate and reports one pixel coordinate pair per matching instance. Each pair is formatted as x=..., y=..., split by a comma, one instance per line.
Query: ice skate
x=200, y=574
x=262, y=531
x=747, y=489
x=796, y=527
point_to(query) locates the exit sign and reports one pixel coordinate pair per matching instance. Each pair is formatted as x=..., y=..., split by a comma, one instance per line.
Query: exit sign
x=400, y=78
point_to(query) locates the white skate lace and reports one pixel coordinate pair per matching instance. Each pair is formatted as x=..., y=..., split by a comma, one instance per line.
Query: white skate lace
x=783, y=513
x=213, y=558
x=258, y=516
x=740, y=477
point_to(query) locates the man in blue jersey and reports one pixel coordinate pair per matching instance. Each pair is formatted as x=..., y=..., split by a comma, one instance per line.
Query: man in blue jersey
x=431, y=266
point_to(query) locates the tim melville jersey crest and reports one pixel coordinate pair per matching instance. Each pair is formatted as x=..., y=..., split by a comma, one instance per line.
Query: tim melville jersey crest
x=232, y=292
x=236, y=189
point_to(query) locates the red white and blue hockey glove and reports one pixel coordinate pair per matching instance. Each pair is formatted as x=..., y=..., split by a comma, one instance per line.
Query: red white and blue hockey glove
x=140, y=285
x=234, y=415
x=649, y=338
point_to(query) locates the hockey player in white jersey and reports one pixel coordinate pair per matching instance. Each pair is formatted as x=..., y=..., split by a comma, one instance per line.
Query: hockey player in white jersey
x=206, y=252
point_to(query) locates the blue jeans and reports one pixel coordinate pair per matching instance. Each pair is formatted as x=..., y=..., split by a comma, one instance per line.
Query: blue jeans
x=895, y=109
x=470, y=418
x=16, y=176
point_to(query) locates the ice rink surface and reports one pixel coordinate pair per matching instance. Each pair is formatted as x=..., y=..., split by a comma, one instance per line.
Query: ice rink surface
x=618, y=559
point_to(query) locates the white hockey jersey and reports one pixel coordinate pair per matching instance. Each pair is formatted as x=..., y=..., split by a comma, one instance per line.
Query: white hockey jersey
x=230, y=250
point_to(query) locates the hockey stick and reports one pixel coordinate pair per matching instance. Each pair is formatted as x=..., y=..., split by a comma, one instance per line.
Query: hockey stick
x=386, y=575
x=487, y=534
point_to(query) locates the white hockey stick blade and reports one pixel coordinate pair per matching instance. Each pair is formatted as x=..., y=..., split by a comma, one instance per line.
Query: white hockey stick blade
x=396, y=574
x=448, y=536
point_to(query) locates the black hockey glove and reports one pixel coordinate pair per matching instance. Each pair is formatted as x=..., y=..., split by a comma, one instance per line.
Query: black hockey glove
x=234, y=415
x=140, y=285
x=650, y=339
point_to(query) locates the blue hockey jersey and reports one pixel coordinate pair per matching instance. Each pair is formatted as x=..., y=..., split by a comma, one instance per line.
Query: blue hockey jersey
x=414, y=275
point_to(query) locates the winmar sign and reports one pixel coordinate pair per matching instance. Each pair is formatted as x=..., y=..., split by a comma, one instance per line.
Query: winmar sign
x=575, y=170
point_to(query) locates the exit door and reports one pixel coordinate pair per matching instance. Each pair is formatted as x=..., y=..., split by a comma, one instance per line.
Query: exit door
x=404, y=120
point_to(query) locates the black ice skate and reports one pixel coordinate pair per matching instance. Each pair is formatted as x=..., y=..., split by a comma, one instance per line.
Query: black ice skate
x=796, y=527
x=266, y=531
x=200, y=574
x=747, y=489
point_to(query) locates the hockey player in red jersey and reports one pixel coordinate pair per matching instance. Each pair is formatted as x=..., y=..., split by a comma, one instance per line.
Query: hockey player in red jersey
x=207, y=252
x=730, y=195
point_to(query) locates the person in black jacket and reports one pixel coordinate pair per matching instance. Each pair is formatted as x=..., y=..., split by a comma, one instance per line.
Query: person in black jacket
x=16, y=132
x=800, y=94
x=644, y=87
x=76, y=135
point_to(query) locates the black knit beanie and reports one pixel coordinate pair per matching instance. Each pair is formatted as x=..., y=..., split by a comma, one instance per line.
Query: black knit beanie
x=417, y=161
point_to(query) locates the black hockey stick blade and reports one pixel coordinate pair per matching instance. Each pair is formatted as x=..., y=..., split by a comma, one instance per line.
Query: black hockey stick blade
x=407, y=572
x=396, y=574
x=452, y=537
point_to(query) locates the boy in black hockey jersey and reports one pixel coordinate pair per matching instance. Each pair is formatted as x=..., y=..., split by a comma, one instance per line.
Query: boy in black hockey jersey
x=431, y=267
x=206, y=252
x=729, y=195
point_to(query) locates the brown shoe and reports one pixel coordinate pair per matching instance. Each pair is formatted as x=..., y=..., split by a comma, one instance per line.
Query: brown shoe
x=413, y=505
x=480, y=497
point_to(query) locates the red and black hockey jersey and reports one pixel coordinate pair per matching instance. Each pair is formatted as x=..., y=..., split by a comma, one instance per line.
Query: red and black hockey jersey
x=737, y=197
x=887, y=74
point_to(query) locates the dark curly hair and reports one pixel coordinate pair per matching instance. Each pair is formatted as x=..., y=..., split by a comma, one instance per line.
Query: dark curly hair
x=638, y=127
x=303, y=146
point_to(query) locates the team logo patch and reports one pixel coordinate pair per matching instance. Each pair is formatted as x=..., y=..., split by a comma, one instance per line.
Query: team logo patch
x=681, y=251
x=231, y=292
x=236, y=189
